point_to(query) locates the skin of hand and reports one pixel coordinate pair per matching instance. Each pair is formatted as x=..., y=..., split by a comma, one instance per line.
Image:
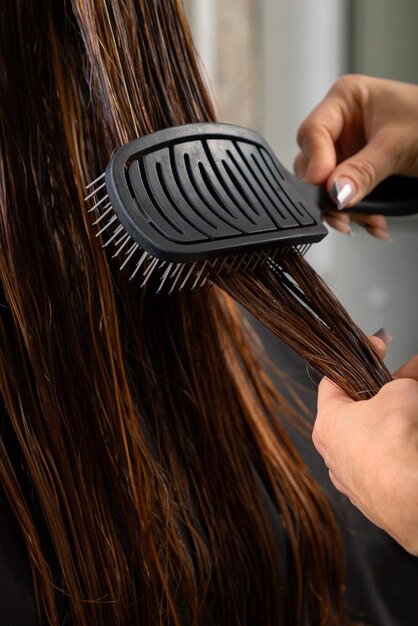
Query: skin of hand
x=364, y=130
x=371, y=450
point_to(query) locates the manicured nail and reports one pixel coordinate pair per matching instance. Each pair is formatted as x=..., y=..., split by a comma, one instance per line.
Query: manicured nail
x=339, y=225
x=384, y=336
x=379, y=233
x=343, y=190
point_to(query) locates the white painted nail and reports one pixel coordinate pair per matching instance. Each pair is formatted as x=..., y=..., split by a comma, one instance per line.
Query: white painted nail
x=343, y=190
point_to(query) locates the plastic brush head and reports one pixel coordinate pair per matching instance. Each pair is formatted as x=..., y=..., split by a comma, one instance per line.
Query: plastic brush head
x=196, y=200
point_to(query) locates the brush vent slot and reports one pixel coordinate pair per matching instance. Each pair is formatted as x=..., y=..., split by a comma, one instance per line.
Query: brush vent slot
x=185, y=194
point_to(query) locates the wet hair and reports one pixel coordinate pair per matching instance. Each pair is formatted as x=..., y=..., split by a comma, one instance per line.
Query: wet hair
x=140, y=432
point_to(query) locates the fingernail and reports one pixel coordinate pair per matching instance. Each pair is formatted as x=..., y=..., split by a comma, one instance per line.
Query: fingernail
x=342, y=227
x=379, y=233
x=383, y=334
x=343, y=190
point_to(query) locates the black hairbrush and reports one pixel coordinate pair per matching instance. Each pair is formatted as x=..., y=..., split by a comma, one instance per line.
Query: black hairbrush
x=204, y=198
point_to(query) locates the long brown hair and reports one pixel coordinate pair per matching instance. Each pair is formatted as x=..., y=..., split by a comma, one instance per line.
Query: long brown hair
x=146, y=434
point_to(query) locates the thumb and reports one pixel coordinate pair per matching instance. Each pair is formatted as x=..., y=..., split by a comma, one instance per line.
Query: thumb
x=330, y=396
x=356, y=177
x=331, y=399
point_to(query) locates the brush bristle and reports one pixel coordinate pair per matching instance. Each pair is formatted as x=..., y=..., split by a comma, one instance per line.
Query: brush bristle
x=142, y=265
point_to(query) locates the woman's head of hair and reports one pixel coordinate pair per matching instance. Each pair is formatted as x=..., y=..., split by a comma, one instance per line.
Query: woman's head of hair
x=141, y=432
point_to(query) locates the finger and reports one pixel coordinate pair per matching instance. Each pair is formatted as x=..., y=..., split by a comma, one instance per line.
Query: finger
x=372, y=221
x=379, y=344
x=357, y=176
x=339, y=221
x=316, y=138
x=339, y=486
x=330, y=396
x=408, y=370
x=376, y=225
x=344, y=218
x=378, y=233
x=299, y=165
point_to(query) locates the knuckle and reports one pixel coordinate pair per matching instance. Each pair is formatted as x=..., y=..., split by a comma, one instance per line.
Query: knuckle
x=305, y=131
x=398, y=396
x=405, y=155
x=311, y=133
x=353, y=88
x=321, y=431
x=299, y=164
x=316, y=435
x=393, y=144
x=348, y=82
x=348, y=79
x=365, y=171
x=386, y=391
x=404, y=385
x=378, y=345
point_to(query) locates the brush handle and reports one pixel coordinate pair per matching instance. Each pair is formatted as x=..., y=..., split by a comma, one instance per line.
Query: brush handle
x=395, y=196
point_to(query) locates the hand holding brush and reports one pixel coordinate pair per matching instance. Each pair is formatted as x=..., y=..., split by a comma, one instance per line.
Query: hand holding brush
x=365, y=130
